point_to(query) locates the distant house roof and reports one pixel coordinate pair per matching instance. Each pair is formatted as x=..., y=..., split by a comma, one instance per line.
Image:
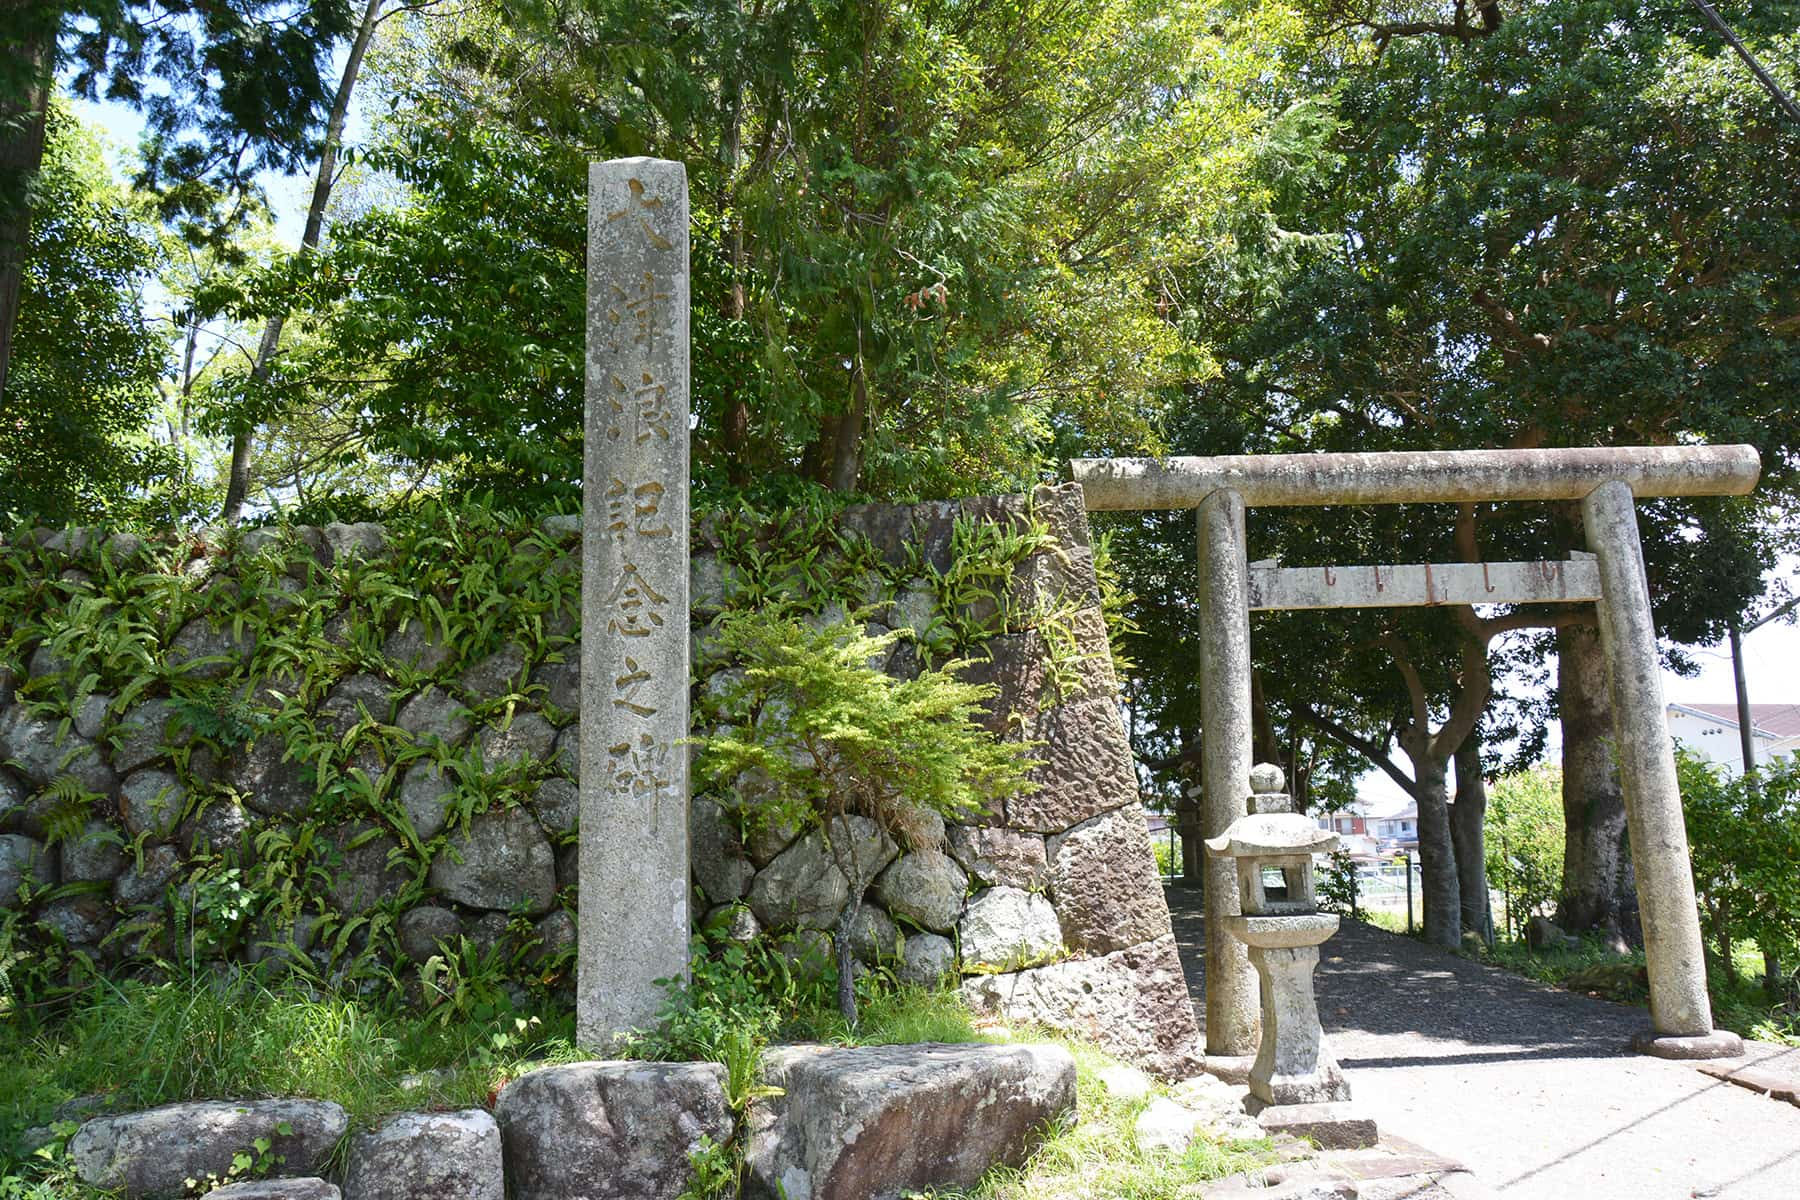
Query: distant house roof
x=1769, y=720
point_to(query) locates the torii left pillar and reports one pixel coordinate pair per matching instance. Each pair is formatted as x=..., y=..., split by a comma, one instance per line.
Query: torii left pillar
x=1233, y=1007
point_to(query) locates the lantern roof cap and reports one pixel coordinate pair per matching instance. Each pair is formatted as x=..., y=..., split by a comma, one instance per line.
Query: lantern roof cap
x=1272, y=835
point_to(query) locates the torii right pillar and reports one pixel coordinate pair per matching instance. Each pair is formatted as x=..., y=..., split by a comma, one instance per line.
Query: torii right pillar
x=1680, y=1010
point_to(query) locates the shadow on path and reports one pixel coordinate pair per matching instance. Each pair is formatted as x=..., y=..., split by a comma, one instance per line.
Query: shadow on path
x=1534, y=1087
x=1374, y=985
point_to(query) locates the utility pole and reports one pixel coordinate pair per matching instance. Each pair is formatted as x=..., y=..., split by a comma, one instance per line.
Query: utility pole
x=1746, y=737
x=1747, y=742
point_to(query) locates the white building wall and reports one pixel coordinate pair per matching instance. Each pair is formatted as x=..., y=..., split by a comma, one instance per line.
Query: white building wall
x=1718, y=743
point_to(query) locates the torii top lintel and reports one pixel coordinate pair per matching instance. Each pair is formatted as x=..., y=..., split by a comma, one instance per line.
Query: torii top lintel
x=1421, y=476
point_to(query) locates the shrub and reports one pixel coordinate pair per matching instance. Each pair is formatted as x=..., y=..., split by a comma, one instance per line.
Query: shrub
x=826, y=733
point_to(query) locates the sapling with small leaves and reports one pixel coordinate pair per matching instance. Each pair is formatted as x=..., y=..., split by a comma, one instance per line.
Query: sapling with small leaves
x=827, y=735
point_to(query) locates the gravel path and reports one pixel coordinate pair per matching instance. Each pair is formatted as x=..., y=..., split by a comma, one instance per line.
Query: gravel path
x=1530, y=1086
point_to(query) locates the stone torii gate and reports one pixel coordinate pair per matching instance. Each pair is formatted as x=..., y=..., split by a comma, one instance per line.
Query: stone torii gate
x=1606, y=481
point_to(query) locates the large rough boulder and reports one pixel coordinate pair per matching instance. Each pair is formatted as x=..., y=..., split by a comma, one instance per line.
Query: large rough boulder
x=41, y=754
x=882, y=1121
x=1085, y=767
x=804, y=887
x=1004, y=927
x=558, y=806
x=96, y=853
x=1027, y=679
x=152, y=1154
x=144, y=881
x=1104, y=876
x=214, y=652
x=79, y=920
x=434, y=714
x=505, y=861
x=526, y=738
x=309, y=1187
x=499, y=674
x=362, y=539
x=423, y=790
x=562, y=683
x=428, y=1156
x=995, y=856
x=418, y=647
x=610, y=1130
x=874, y=938
x=359, y=858
x=1134, y=1002
x=273, y=784
x=354, y=699
x=927, y=960
x=152, y=801
x=721, y=867
x=23, y=858
x=925, y=887
x=143, y=734
x=427, y=930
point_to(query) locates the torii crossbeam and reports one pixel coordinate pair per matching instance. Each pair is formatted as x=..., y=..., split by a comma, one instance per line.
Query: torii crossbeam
x=1607, y=481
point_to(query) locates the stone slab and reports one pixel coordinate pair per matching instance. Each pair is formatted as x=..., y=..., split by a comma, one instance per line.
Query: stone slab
x=1764, y=1083
x=635, y=576
x=848, y=1124
x=1334, y=1126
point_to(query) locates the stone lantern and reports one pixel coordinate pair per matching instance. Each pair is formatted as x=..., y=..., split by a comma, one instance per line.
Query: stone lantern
x=1295, y=1084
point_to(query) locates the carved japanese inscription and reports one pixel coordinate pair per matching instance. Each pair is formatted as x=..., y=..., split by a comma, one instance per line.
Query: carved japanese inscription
x=634, y=658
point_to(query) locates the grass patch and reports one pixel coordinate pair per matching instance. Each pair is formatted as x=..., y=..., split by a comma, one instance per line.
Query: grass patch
x=1097, y=1153
x=1745, y=1007
x=233, y=1036
x=1558, y=965
x=1384, y=918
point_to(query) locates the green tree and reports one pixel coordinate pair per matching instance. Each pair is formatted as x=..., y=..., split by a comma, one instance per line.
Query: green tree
x=1744, y=839
x=1525, y=840
x=1571, y=224
x=228, y=88
x=73, y=445
x=933, y=244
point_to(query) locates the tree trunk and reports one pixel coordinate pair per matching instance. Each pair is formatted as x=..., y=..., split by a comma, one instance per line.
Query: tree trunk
x=1187, y=826
x=846, y=455
x=21, y=155
x=735, y=431
x=1468, y=830
x=1721, y=923
x=1437, y=853
x=237, y=487
x=1598, y=891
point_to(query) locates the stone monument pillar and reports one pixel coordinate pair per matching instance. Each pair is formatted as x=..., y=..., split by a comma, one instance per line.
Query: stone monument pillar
x=634, y=599
x=1680, y=1009
x=1231, y=1004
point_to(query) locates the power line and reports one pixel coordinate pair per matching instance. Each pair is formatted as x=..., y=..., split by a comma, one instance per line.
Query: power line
x=1768, y=81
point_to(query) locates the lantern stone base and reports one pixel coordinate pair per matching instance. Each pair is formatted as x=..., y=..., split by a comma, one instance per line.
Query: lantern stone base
x=1334, y=1126
x=1293, y=1065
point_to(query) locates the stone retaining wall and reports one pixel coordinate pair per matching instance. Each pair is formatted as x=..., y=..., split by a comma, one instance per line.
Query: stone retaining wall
x=292, y=752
